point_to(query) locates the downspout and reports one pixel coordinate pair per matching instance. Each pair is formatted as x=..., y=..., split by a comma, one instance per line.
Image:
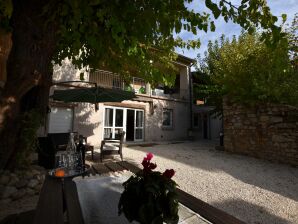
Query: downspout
x=190, y=131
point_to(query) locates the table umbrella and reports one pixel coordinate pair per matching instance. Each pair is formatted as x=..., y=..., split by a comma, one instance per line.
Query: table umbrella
x=92, y=95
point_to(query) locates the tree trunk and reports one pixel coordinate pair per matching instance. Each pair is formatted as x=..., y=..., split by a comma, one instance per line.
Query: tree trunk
x=29, y=74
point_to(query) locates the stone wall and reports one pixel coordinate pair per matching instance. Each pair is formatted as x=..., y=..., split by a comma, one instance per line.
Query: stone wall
x=264, y=131
x=20, y=183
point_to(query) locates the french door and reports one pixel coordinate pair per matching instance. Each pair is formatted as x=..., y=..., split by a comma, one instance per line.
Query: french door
x=117, y=119
x=139, y=125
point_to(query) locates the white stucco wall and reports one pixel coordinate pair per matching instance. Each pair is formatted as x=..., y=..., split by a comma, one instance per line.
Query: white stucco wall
x=67, y=72
x=184, y=82
x=89, y=122
x=154, y=129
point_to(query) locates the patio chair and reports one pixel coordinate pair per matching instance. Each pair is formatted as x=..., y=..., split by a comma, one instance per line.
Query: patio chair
x=88, y=147
x=112, y=146
x=59, y=140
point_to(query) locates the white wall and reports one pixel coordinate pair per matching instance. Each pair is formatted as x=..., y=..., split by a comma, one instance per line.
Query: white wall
x=154, y=129
x=184, y=82
x=89, y=122
x=67, y=72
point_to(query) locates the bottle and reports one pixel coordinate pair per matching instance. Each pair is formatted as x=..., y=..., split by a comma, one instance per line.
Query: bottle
x=71, y=146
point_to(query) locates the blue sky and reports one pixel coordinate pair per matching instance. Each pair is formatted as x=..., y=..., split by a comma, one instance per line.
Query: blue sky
x=278, y=7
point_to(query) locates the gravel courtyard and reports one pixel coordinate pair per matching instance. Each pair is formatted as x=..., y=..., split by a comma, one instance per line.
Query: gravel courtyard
x=252, y=190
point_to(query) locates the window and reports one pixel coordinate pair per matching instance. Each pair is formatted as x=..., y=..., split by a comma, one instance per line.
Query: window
x=167, y=118
x=118, y=119
x=108, y=123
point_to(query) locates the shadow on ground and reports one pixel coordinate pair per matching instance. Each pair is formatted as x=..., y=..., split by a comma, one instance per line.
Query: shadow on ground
x=262, y=215
x=266, y=175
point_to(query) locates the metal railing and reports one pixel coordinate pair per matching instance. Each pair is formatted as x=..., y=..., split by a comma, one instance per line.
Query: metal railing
x=178, y=94
x=108, y=79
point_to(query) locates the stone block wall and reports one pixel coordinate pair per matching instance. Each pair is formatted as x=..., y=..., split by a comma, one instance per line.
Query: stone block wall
x=20, y=184
x=264, y=131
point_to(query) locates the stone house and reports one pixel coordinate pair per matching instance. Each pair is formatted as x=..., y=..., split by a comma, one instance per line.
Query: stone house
x=156, y=115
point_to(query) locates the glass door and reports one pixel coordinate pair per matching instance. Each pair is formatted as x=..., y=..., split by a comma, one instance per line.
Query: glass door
x=139, y=125
x=113, y=123
x=119, y=123
x=108, y=123
x=117, y=119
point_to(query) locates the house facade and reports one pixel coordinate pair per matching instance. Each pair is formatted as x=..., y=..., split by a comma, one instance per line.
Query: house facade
x=156, y=114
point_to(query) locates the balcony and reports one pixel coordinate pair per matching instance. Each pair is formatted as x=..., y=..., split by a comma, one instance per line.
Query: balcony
x=111, y=80
x=108, y=79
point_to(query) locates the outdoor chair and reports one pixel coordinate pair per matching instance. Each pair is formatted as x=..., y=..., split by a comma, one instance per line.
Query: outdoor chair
x=88, y=147
x=112, y=146
x=59, y=140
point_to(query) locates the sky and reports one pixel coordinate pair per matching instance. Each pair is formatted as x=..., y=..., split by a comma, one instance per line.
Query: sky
x=278, y=7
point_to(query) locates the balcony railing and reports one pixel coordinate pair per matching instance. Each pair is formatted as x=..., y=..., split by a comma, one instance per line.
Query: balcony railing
x=111, y=80
x=180, y=94
x=108, y=79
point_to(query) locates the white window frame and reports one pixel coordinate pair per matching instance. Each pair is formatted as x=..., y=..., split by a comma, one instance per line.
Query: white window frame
x=113, y=127
x=138, y=128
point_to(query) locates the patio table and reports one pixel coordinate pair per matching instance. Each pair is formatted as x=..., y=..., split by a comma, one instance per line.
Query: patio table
x=99, y=197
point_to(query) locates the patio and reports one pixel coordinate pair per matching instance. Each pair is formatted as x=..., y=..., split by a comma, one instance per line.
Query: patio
x=255, y=191
x=252, y=190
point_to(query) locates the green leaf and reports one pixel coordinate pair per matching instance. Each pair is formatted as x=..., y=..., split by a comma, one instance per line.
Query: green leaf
x=284, y=17
x=213, y=7
x=212, y=26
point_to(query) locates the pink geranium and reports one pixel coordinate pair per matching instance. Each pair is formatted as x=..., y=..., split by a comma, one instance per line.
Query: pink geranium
x=149, y=156
x=148, y=189
x=148, y=166
x=169, y=173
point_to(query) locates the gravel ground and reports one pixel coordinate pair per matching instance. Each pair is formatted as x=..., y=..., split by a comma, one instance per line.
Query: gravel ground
x=252, y=190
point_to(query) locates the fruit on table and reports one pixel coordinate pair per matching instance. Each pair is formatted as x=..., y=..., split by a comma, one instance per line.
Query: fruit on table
x=59, y=173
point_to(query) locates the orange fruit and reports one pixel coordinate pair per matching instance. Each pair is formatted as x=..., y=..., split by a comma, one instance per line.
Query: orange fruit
x=60, y=173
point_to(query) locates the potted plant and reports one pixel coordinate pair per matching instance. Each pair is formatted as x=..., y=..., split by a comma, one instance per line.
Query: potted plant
x=150, y=196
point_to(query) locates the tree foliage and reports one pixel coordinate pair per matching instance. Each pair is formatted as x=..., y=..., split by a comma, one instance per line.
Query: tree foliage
x=247, y=71
x=132, y=38
x=292, y=33
x=127, y=36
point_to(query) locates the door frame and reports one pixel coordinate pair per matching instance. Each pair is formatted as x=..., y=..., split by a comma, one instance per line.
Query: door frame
x=135, y=125
x=124, y=121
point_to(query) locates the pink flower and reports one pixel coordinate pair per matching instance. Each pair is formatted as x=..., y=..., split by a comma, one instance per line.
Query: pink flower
x=169, y=173
x=148, y=166
x=152, y=166
x=149, y=156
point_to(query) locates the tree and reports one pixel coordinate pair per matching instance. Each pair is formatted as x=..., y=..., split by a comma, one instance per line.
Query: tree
x=248, y=71
x=123, y=36
x=292, y=33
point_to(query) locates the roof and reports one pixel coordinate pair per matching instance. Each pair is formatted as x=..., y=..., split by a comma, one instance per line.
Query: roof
x=185, y=60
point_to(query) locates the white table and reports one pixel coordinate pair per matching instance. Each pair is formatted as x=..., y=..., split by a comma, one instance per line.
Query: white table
x=99, y=197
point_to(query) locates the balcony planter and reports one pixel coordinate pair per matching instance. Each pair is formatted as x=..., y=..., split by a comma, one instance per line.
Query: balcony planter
x=142, y=90
x=128, y=88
